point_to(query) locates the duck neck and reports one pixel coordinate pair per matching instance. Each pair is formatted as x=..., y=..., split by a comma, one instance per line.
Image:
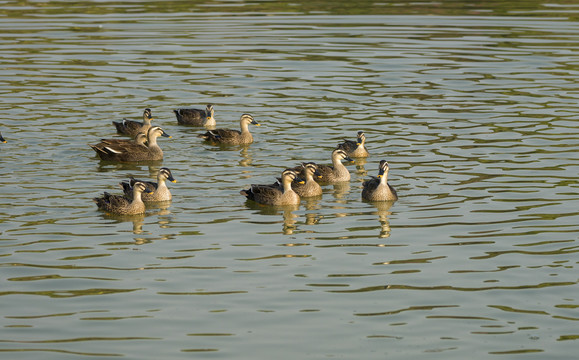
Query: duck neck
x=244, y=127
x=161, y=184
x=338, y=166
x=287, y=185
x=152, y=140
x=137, y=196
x=384, y=181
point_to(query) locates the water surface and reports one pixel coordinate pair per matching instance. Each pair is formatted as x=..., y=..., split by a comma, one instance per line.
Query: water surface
x=475, y=110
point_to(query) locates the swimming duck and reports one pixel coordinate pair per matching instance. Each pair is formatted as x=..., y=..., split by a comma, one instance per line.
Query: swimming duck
x=232, y=137
x=338, y=172
x=277, y=194
x=120, y=205
x=377, y=188
x=159, y=190
x=2, y=140
x=133, y=151
x=139, y=139
x=196, y=117
x=310, y=187
x=131, y=127
x=355, y=148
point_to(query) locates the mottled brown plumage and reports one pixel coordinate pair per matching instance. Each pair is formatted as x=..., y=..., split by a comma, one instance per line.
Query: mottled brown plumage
x=378, y=189
x=120, y=205
x=277, y=194
x=158, y=190
x=309, y=187
x=355, y=148
x=337, y=172
x=132, y=151
x=196, y=117
x=131, y=127
x=139, y=139
x=232, y=137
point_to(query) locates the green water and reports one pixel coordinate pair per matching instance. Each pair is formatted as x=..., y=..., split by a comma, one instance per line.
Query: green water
x=473, y=106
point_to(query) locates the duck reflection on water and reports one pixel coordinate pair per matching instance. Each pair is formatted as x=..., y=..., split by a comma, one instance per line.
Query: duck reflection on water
x=383, y=212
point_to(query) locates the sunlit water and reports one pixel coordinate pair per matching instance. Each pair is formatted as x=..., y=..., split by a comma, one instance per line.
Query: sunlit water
x=475, y=114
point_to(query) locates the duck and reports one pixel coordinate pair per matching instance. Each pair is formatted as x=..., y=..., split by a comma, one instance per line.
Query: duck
x=131, y=127
x=196, y=117
x=133, y=151
x=139, y=139
x=232, y=137
x=310, y=187
x=277, y=194
x=159, y=190
x=2, y=140
x=120, y=205
x=377, y=188
x=355, y=148
x=337, y=172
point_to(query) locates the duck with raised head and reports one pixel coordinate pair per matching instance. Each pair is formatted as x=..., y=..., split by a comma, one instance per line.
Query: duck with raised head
x=133, y=151
x=196, y=117
x=277, y=194
x=131, y=127
x=337, y=172
x=158, y=190
x=377, y=188
x=355, y=148
x=232, y=137
x=120, y=205
x=309, y=187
